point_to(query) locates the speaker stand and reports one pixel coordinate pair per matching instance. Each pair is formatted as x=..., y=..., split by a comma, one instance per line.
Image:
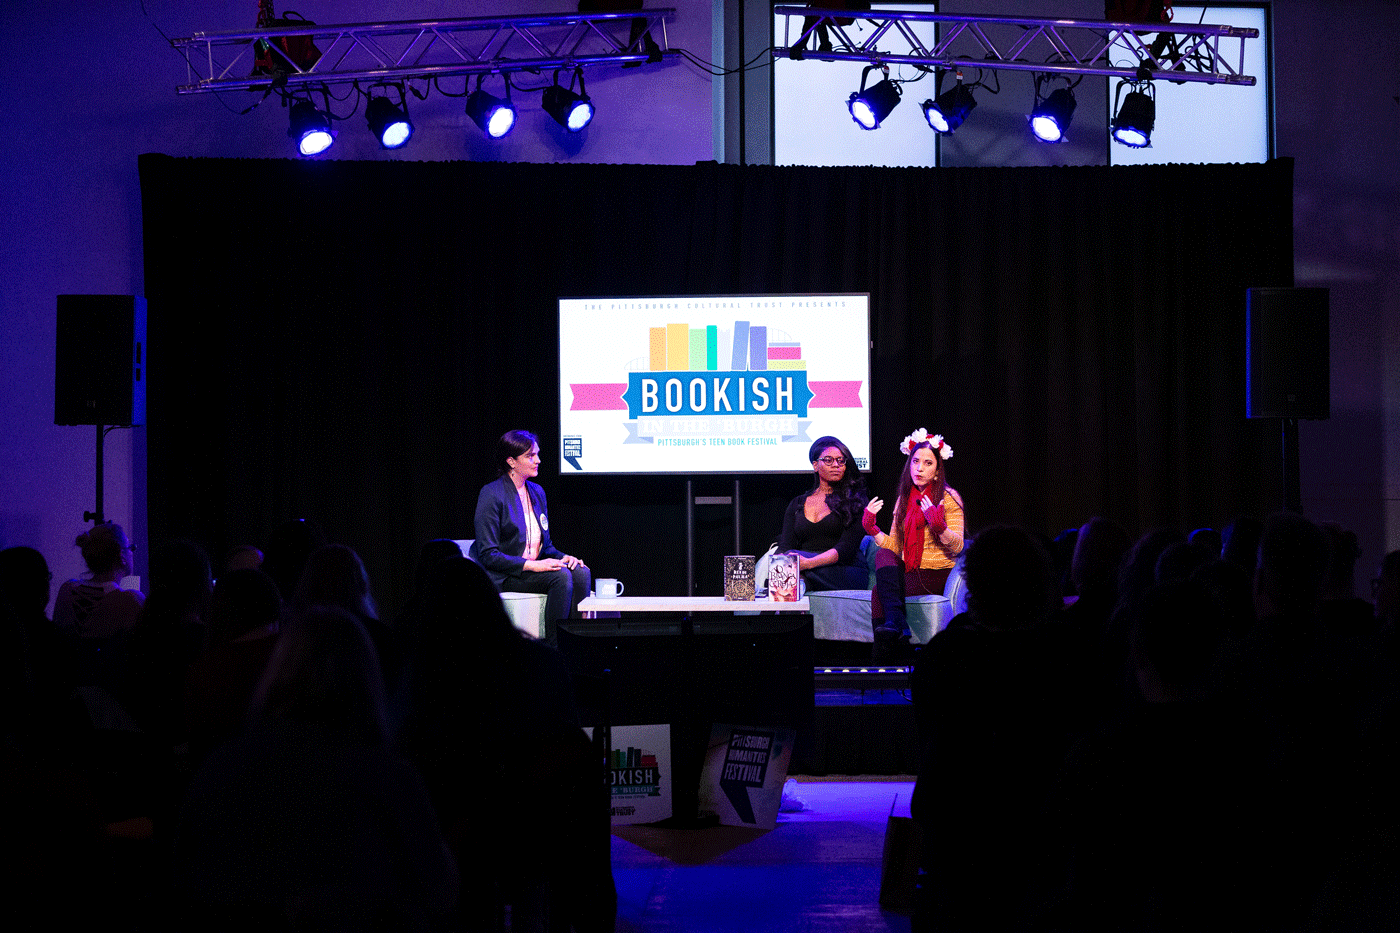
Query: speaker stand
x=96, y=516
x=1292, y=486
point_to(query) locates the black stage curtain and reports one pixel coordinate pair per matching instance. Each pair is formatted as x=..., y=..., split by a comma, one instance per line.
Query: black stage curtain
x=344, y=341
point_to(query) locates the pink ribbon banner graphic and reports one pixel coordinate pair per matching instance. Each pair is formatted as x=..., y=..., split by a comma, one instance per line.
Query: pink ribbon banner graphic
x=598, y=396
x=838, y=394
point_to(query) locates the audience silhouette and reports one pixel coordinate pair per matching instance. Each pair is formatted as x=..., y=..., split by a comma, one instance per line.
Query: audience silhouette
x=513, y=723
x=309, y=821
x=1185, y=741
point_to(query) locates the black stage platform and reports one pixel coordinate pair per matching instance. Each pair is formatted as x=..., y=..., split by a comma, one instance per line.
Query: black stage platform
x=863, y=722
x=851, y=717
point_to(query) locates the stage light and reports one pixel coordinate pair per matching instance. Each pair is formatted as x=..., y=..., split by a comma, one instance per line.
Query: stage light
x=948, y=112
x=310, y=128
x=571, y=111
x=1051, y=117
x=388, y=122
x=494, y=115
x=870, y=107
x=1132, y=125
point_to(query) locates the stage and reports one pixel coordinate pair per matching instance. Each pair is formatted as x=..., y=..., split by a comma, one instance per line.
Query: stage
x=693, y=668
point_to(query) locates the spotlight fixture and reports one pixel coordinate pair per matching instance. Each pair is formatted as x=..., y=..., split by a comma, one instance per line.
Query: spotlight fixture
x=1051, y=116
x=311, y=128
x=1132, y=125
x=388, y=122
x=494, y=115
x=571, y=111
x=870, y=107
x=948, y=112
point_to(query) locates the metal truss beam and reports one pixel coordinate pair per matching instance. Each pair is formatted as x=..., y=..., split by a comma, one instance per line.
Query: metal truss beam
x=1008, y=43
x=400, y=51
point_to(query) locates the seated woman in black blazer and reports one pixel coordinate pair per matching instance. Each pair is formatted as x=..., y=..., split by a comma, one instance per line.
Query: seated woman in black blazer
x=513, y=541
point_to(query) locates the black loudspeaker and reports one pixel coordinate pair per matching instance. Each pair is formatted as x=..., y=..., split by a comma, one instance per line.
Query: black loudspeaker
x=100, y=367
x=1288, y=369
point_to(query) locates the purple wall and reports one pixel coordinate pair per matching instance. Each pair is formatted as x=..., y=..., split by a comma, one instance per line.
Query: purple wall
x=96, y=85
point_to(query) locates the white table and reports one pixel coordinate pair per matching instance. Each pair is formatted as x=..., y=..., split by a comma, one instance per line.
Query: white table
x=688, y=604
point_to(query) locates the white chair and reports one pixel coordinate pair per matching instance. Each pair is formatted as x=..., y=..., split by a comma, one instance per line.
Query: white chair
x=929, y=615
x=844, y=615
x=840, y=615
x=526, y=610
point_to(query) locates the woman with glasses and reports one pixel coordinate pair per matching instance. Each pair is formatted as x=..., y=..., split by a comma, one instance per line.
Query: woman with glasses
x=823, y=524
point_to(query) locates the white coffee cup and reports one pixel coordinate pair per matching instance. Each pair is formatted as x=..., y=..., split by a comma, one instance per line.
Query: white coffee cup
x=607, y=588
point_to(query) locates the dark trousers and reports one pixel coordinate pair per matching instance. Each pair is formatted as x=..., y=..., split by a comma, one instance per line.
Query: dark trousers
x=562, y=588
x=835, y=576
x=893, y=583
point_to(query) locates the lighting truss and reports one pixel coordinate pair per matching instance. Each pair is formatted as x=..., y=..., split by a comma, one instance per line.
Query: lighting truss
x=1011, y=43
x=371, y=52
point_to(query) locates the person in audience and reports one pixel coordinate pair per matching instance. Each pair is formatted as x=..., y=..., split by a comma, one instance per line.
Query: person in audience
x=1093, y=572
x=430, y=555
x=1062, y=552
x=25, y=586
x=309, y=821
x=167, y=637
x=1240, y=541
x=288, y=550
x=26, y=580
x=1291, y=571
x=1231, y=591
x=242, y=557
x=1385, y=592
x=823, y=525
x=1344, y=614
x=1178, y=561
x=121, y=769
x=514, y=539
x=1098, y=553
x=412, y=616
x=244, y=622
x=1296, y=688
x=1138, y=572
x=997, y=704
x=1209, y=539
x=98, y=607
x=925, y=539
x=1136, y=575
x=514, y=723
x=1153, y=823
x=55, y=827
x=335, y=576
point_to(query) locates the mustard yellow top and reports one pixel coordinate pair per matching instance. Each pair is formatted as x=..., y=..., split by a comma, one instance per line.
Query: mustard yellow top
x=940, y=551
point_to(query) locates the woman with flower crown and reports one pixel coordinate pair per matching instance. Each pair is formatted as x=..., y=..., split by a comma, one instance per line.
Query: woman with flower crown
x=925, y=539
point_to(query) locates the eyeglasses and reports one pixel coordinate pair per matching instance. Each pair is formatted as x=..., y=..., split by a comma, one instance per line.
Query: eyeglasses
x=832, y=461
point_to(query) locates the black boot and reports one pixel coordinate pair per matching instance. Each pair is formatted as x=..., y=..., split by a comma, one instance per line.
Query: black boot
x=889, y=587
x=889, y=590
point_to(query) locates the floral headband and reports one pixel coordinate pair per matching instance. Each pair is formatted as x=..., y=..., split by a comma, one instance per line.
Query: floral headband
x=921, y=436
